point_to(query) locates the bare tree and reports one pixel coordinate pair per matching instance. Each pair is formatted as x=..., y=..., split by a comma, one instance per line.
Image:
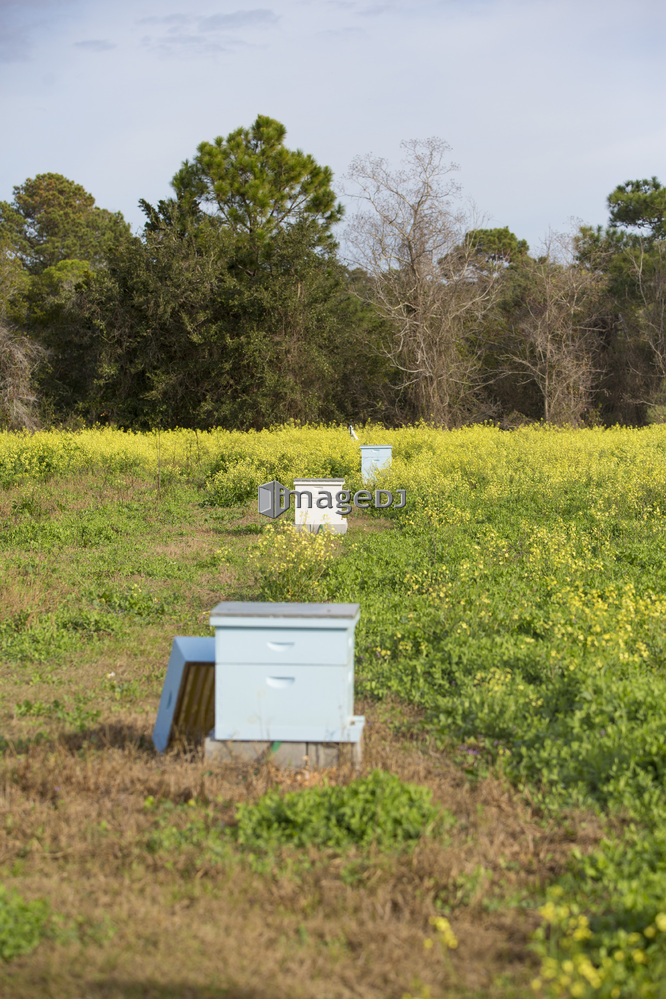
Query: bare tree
x=556, y=332
x=409, y=239
x=648, y=263
x=18, y=359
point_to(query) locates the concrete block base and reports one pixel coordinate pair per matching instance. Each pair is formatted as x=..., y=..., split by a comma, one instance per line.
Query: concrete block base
x=295, y=756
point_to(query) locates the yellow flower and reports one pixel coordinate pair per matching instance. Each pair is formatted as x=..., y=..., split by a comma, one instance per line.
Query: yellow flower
x=446, y=935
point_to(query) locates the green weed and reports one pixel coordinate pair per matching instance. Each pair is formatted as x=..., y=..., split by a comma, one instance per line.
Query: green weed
x=22, y=924
x=77, y=715
x=379, y=810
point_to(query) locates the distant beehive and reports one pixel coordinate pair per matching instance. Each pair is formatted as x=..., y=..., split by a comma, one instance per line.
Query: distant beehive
x=373, y=458
x=310, y=517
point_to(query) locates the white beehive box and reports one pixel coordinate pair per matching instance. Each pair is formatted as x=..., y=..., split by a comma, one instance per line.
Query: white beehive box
x=310, y=517
x=373, y=458
x=285, y=672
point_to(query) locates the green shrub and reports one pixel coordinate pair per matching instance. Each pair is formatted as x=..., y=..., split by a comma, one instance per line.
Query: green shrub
x=235, y=485
x=22, y=925
x=379, y=809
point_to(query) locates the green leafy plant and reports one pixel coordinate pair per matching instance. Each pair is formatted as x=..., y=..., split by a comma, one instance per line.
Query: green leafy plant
x=22, y=924
x=134, y=601
x=379, y=809
x=77, y=715
x=604, y=922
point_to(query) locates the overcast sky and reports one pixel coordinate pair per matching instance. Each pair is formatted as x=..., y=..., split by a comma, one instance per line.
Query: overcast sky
x=547, y=104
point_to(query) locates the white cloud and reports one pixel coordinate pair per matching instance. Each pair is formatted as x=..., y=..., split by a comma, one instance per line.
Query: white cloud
x=238, y=19
x=96, y=45
x=204, y=35
x=547, y=105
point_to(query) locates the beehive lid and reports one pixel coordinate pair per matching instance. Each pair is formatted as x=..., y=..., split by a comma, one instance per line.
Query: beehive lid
x=230, y=613
x=187, y=705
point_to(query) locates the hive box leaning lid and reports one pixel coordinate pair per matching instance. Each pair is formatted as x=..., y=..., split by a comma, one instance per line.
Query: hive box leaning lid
x=277, y=614
x=187, y=705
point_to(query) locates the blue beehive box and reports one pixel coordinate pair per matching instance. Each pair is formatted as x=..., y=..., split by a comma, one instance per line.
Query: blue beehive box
x=373, y=458
x=285, y=672
x=187, y=705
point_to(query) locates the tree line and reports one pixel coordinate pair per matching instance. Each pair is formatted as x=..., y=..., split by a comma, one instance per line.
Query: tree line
x=236, y=306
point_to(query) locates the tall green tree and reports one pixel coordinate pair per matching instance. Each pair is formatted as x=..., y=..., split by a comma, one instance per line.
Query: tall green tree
x=496, y=248
x=254, y=185
x=641, y=205
x=54, y=239
x=52, y=219
x=232, y=308
x=631, y=255
x=272, y=314
x=185, y=338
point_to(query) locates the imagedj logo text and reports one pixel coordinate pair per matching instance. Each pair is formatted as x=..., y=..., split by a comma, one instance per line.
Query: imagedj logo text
x=275, y=499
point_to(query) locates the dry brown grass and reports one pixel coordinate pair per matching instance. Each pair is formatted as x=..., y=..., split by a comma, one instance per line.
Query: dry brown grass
x=19, y=595
x=192, y=928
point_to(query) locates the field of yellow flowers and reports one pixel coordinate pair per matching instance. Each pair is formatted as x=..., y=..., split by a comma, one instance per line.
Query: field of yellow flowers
x=516, y=605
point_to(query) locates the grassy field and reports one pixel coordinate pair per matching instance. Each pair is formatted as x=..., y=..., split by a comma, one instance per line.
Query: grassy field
x=507, y=835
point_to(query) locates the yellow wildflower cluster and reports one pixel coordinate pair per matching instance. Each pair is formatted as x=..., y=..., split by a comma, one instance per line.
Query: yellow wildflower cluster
x=568, y=969
x=288, y=563
x=445, y=934
x=623, y=468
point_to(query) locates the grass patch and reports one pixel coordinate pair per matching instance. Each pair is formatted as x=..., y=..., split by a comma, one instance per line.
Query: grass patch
x=22, y=924
x=510, y=662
